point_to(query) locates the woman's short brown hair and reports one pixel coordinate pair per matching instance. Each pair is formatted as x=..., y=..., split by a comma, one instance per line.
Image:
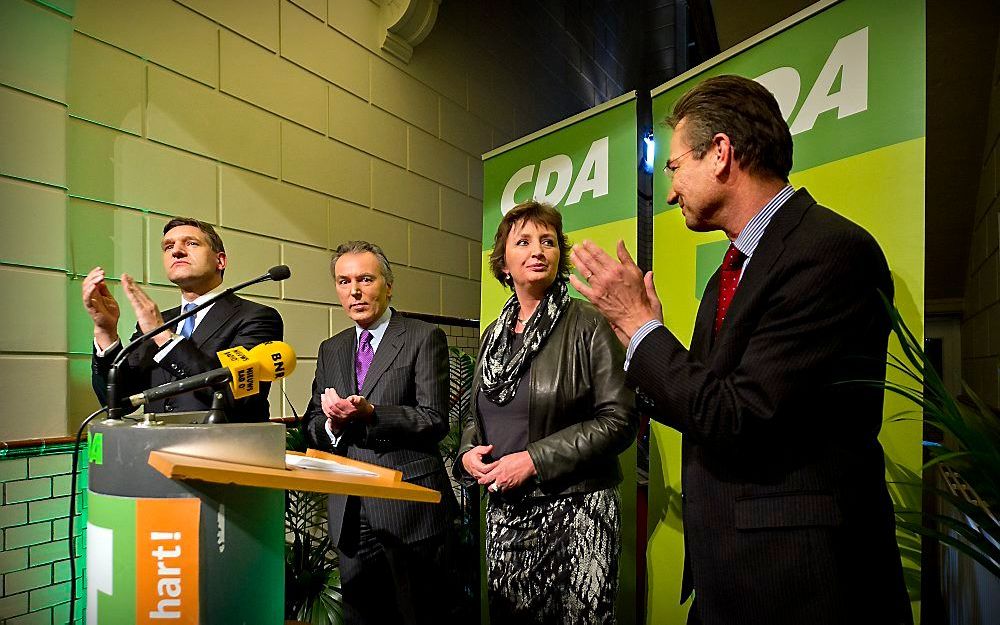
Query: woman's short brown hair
x=538, y=214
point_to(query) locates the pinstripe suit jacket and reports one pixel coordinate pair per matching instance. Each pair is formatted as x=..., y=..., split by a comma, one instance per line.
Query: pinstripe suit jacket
x=787, y=518
x=407, y=383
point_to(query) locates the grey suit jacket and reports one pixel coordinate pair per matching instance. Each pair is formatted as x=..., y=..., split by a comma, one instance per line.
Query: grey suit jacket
x=786, y=514
x=408, y=385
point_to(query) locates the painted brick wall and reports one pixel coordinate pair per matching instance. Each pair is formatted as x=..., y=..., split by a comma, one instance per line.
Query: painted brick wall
x=34, y=55
x=34, y=553
x=463, y=337
x=981, y=325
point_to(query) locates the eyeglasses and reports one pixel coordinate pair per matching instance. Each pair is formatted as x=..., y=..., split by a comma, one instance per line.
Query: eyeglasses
x=673, y=164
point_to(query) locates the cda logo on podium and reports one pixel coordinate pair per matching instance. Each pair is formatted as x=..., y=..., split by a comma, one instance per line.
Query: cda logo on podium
x=142, y=560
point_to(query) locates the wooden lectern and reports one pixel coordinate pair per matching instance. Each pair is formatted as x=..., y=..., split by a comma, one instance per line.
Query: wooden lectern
x=388, y=483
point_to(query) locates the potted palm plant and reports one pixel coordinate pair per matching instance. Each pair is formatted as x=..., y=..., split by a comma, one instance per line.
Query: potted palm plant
x=312, y=576
x=967, y=458
x=461, y=367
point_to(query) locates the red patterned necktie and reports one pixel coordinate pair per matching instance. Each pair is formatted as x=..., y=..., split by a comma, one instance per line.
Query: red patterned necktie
x=729, y=279
x=365, y=356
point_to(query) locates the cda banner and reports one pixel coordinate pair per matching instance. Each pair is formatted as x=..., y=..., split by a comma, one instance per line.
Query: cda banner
x=849, y=77
x=585, y=166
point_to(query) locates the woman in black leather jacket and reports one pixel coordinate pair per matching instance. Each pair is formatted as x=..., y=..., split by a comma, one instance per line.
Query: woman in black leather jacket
x=551, y=415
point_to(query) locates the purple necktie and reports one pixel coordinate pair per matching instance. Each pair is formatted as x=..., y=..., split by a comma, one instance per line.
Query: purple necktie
x=365, y=356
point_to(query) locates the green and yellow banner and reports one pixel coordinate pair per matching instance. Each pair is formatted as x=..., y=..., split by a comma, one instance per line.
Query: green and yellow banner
x=585, y=166
x=850, y=79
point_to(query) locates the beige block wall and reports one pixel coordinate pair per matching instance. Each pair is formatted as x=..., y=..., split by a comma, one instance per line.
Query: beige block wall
x=282, y=123
x=981, y=325
x=35, y=44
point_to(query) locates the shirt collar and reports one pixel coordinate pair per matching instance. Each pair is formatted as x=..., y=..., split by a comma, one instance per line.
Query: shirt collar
x=201, y=299
x=378, y=328
x=747, y=241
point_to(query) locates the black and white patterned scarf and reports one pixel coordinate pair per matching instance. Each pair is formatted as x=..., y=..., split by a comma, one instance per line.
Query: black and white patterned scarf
x=502, y=370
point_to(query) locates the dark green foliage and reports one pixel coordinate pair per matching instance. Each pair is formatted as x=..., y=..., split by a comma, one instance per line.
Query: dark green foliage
x=312, y=579
x=465, y=607
x=968, y=459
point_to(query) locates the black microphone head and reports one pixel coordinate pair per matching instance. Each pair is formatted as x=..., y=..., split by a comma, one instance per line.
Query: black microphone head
x=279, y=273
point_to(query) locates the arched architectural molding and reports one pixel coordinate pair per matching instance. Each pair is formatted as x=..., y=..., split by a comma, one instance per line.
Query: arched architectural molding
x=406, y=24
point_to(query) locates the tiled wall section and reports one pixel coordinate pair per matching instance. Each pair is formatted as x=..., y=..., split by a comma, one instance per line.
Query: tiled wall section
x=34, y=553
x=981, y=325
x=281, y=122
x=465, y=338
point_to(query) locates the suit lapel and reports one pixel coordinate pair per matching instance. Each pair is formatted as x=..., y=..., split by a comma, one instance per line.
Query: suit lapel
x=346, y=381
x=170, y=314
x=392, y=341
x=222, y=311
x=701, y=340
x=769, y=250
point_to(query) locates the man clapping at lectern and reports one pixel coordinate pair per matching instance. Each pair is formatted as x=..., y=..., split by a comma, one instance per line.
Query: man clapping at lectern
x=195, y=260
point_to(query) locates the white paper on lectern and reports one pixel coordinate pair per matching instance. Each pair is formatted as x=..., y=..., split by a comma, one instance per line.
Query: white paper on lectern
x=322, y=464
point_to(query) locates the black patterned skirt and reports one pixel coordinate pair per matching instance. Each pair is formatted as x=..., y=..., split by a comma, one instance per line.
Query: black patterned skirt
x=554, y=560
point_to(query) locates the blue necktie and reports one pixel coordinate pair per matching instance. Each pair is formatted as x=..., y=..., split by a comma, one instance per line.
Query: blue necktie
x=188, y=327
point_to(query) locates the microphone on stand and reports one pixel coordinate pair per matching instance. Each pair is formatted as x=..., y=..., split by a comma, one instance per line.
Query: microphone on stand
x=245, y=370
x=276, y=273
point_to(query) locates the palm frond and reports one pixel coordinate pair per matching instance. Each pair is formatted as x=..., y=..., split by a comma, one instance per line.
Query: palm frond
x=968, y=458
x=311, y=565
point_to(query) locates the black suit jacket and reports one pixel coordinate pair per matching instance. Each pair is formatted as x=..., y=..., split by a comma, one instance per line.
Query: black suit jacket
x=407, y=383
x=787, y=518
x=230, y=322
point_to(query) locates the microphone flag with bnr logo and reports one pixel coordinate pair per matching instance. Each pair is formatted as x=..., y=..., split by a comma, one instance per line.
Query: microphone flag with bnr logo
x=266, y=362
x=245, y=370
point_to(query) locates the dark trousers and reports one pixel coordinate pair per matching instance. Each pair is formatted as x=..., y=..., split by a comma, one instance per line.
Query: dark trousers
x=387, y=581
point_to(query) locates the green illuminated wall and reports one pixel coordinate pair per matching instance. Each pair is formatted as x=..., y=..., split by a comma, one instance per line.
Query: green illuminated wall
x=34, y=561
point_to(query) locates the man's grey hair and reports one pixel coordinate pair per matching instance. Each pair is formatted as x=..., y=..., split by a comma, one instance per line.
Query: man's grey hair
x=360, y=247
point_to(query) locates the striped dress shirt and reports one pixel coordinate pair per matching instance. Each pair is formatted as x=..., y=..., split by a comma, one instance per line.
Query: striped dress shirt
x=746, y=242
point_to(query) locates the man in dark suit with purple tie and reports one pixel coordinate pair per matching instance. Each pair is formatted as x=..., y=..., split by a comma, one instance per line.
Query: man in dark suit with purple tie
x=381, y=396
x=787, y=518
